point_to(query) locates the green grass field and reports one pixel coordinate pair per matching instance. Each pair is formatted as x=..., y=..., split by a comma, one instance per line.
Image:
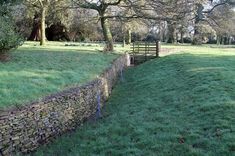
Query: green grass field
x=179, y=105
x=35, y=71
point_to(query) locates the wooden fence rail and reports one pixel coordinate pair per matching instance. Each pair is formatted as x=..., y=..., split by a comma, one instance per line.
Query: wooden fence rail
x=142, y=52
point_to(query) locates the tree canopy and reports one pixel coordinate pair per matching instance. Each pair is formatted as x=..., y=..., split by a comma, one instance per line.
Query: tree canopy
x=173, y=21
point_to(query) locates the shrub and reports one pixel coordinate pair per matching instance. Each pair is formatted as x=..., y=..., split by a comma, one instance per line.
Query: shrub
x=204, y=31
x=8, y=37
x=187, y=40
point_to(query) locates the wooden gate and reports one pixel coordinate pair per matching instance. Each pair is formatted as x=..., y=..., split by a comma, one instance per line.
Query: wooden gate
x=143, y=51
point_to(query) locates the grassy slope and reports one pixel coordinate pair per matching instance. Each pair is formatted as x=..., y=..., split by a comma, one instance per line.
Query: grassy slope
x=36, y=71
x=178, y=105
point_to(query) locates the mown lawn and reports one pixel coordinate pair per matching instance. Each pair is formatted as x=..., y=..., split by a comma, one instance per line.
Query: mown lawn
x=35, y=71
x=179, y=105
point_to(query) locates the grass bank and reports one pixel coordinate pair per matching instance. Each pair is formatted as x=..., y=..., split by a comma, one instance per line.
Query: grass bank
x=35, y=71
x=181, y=104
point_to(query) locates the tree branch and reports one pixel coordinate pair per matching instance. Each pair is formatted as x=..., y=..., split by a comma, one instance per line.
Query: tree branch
x=214, y=7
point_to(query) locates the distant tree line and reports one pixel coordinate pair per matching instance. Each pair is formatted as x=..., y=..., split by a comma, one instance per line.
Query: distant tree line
x=109, y=21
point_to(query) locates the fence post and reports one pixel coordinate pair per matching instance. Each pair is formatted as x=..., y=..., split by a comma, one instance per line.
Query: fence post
x=145, y=51
x=133, y=47
x=138, y=47
x=133, y=54
x=158, y=48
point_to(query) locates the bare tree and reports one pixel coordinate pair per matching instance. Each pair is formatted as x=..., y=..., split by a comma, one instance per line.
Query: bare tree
x=202, y=14
x=223, y=23
x=103, y=9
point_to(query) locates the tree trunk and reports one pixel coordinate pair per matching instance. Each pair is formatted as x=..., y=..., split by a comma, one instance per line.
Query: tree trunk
x=124, y=39
x=164, y=36
x=223, y=40
x=199, y=16
x=129, y=37
x=227, y=40
x=164, y=31
x=35, y=33
x=160, y=34
x=230, y=40
x=107, y=34
x=43, y=27
x=196, y=37
x=172, y=33
x=182, y=37
x=218, y=40
x=36, y=30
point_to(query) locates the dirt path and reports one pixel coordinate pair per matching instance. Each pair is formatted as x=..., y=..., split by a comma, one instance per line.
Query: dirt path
x=169, y=51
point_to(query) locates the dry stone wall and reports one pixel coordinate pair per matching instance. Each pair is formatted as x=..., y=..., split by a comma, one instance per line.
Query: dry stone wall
x=26, y=128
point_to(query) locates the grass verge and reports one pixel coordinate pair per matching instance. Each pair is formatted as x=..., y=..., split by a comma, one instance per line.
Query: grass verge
x=181, y=104
x=35, y=71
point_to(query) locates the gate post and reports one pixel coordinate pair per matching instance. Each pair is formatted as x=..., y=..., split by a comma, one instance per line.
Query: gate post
x=145, y=51
x=133, y=54
x=158, y=48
